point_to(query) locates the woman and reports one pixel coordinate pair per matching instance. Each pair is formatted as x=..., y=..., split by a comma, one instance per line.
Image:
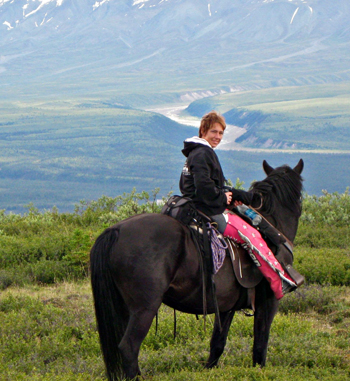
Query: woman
x=202, y=180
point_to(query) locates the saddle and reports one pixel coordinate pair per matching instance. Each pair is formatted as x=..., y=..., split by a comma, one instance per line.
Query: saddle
x=244, y=268
x=246, y=271
x=183, y=209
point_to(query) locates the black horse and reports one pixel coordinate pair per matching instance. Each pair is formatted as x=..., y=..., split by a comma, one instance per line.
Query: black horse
x=150, y=259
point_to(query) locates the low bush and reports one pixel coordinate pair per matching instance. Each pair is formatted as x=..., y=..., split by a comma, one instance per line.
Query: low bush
x=331, y=209
x=108, y=211
x=49, y=247
x=311, y=298
x=323, y=266
x=325, y=221
x=6, y=278
x=35, y=243
x=322, y=236
x=49, y=272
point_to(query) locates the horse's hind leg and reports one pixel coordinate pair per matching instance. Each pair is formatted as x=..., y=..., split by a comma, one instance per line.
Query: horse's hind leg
x=218, y=339
x=137, y=329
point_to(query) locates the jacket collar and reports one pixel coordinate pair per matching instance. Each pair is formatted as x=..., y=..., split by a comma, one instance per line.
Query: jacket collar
x=198, y=140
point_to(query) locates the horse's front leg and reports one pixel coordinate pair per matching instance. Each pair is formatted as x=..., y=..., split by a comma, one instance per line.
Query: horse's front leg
x=266, y=306
x=218, y=338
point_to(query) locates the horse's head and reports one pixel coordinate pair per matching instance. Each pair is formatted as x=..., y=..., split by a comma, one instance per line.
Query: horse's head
x=278, y=197
x=298, y=168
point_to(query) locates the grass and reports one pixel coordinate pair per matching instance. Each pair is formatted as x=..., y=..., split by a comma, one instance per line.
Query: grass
x=47, y=323
x=49, y=333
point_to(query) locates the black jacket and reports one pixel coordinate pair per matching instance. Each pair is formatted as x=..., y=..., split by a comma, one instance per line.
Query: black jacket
x=202, y=178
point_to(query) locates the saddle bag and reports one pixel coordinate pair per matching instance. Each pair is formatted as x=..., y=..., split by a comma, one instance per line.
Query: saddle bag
x=181, y=208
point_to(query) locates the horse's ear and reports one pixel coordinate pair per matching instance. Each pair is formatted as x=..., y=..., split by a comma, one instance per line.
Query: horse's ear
x=299, y=167
x=267, y=168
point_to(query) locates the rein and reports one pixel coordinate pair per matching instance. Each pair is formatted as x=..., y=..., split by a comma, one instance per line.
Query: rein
x=261, y=202
x=288, y=244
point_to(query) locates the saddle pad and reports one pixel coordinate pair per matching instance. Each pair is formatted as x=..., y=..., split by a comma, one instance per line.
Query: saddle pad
x=247, y=273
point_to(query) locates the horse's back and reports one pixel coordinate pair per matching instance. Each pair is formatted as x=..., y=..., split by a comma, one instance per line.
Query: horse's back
x=150, y=235
x=149, y=224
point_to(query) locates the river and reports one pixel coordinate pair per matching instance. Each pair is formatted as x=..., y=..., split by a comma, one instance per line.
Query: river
x=232, y=132
x=174, y=112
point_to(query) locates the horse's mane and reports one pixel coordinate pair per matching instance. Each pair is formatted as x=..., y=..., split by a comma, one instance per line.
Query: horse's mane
x=282, y=186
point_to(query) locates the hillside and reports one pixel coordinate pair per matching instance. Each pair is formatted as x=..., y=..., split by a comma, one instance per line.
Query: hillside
x=56, y=154
x=309, y=118
x=62, y=153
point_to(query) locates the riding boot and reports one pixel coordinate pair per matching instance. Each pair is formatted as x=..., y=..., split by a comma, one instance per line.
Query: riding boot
x=241, y=232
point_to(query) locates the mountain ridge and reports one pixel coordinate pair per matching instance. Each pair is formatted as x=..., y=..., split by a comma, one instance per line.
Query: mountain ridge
x=175, y=45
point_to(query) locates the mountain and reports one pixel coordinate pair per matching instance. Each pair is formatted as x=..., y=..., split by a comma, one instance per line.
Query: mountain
x=123, y=47
x=73, y=72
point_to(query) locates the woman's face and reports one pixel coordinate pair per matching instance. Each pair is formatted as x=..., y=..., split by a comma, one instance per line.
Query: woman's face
x=214, y=135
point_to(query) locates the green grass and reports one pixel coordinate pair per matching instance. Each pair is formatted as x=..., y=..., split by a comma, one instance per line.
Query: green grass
x=49, y=333
x=47, y=323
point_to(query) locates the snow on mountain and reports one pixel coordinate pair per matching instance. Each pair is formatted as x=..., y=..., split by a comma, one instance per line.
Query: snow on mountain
x=126, y=33
x=257, y=20
x=37, y=13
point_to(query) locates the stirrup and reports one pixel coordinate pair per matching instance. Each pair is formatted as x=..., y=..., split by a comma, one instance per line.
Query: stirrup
x=297, y=277
x=287, y=287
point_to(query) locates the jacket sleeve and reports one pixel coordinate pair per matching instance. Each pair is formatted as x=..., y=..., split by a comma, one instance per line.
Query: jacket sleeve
x=241, y=195
x=208, y=191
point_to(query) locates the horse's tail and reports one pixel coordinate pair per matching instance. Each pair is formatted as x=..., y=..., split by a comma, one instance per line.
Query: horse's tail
x=111, y=314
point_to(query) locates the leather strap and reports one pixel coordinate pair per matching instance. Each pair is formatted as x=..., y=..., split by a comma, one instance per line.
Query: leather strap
x=288, y=244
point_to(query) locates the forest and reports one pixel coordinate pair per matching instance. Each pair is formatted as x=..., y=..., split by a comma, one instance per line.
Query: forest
x=47, y=322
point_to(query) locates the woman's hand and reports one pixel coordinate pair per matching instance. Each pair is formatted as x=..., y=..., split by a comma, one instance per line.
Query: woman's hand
x=228, y=197
x=242, y=195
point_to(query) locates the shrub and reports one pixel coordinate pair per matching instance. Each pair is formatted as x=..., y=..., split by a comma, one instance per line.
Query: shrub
x=30, y=240
x=310, y=298
x=49, y=272
x=6, y=279
x=108, y=210
x=323, y=266
x=330, y=209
